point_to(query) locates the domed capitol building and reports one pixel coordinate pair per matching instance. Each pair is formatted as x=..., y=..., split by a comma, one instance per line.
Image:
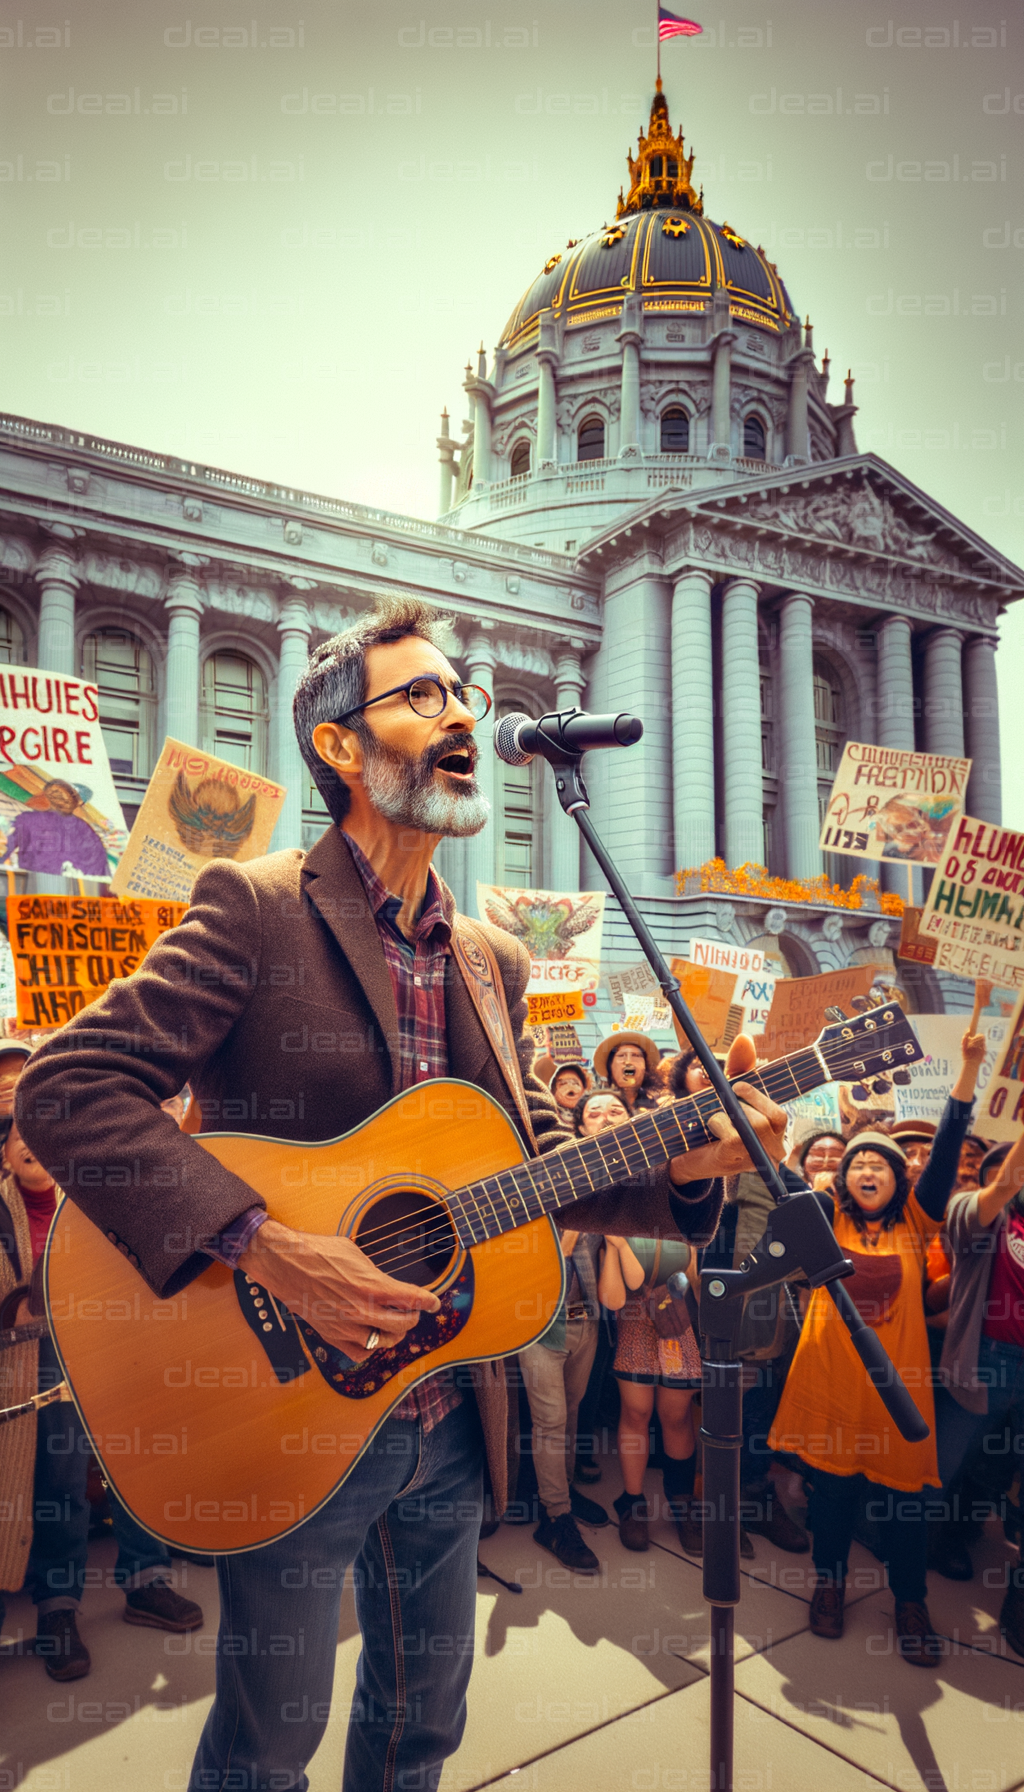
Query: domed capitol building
x=657, y=507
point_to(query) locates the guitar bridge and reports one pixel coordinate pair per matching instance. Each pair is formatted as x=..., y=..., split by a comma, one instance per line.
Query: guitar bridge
x=432, y=1330
x=274, y=1327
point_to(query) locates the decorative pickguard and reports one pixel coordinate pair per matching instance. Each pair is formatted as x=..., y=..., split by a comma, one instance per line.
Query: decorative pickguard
x=357, y=1380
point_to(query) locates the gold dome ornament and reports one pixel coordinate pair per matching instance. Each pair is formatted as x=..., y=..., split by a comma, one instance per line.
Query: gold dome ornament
x=659, y=173
x=675, y=227
x=732, y=236
x=614, y=235
x=552, y=262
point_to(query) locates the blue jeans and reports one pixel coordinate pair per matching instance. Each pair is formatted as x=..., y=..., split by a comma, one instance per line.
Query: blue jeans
x=958, y=1432
x=60, y=1519
x=408, y=1518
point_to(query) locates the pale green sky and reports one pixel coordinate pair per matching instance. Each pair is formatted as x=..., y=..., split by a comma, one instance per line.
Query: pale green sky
x=270, y=237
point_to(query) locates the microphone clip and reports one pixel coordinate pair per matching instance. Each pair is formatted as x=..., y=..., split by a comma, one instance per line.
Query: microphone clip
x=566, y=765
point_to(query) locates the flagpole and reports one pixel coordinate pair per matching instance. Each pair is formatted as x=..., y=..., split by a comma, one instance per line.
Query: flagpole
x=657, y=33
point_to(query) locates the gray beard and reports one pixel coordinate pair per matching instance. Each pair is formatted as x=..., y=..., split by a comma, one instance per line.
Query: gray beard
x=403, y=791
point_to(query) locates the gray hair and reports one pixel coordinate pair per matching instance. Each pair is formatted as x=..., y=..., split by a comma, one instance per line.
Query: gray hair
x=334, y=680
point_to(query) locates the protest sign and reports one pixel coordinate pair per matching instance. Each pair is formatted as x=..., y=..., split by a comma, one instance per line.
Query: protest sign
x=890, y=804
x=723, y=957
x=755, y=994
x=816, y=1112
x=561, y=930
x=634, y=980
x=648, y=1014
x=196, y=808
x=708, y=993
x=912, y=944
x=564, y=1045
x=59, y=811
x=975, y=907
x=797, y=1013
x=932, y=1077
x=68, y=949
x=8, y=983
x=1001, y=1110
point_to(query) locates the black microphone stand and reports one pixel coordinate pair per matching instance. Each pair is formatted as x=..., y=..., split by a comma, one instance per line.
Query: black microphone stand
x=798, y=1238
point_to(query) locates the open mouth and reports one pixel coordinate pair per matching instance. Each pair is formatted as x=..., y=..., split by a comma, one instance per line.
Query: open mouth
x=869, y=1189
x=457, y=764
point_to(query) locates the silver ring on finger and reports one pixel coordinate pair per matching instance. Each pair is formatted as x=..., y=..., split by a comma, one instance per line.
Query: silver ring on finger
x=372, y=1340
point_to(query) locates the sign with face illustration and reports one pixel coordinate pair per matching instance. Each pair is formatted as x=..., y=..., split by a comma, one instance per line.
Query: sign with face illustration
x=59, y=811
x=561, y=930
x=891, y=804
x=196, y=808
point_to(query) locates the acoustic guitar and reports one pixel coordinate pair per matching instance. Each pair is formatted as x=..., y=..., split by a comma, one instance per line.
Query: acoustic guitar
x=223, y=1419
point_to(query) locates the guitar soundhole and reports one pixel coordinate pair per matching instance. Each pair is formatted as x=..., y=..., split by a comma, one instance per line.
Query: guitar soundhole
x=408, y=1235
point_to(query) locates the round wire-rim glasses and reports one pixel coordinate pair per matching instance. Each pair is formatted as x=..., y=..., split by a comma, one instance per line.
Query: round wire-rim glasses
x=428, y=695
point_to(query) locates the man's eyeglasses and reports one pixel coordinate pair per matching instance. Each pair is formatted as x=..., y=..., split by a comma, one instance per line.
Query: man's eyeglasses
x=427, y=696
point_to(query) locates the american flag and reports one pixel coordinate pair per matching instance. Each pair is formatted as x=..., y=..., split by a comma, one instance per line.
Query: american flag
x=671, y=25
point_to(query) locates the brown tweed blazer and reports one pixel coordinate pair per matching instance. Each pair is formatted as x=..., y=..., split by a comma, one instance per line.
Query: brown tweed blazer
x=274, y=1000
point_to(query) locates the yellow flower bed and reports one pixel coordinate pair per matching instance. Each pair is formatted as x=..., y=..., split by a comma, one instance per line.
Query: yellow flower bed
x=756, y=880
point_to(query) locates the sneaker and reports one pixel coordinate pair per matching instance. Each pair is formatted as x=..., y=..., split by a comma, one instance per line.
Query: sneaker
x=562, y=1538
x=1011, y=1615
x=586, y=1471
x=159, y=1606
x=827, y=1603
x=634, y=1519
x=915, y=1638
x=587, y=1511
x=782, y=1530
x=58, y=1641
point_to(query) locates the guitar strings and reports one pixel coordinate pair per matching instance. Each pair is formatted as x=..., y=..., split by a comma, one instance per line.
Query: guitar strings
x=704, y=1100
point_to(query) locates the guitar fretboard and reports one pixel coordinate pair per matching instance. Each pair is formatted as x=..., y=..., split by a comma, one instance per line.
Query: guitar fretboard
x=540, y=1186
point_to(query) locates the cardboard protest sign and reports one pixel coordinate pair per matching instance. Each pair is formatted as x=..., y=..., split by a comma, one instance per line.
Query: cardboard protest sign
x=797, y=1013
x=723, y=957
x=1000, y=1113
x=564, y=1045
x=196, y=808
x=68, y=949
x=913, y=944
x=975, y=907
x=932, y=1077
x=561, y=930
x=708, y=993
x=755, y=993
x=648, y=1014
x=891, y=804
x=59, y=811
x=634, y=980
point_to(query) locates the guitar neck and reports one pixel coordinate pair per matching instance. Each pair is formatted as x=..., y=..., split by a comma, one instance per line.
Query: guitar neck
x=544, y=1184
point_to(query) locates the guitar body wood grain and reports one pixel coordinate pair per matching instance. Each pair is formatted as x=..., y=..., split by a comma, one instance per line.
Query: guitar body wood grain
x=202, y=1442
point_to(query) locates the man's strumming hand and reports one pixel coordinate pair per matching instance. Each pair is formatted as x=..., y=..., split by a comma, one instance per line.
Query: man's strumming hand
x=333, y=1285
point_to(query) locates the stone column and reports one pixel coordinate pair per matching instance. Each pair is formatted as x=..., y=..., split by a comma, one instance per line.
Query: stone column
x=798, y=767
x=630, y=788
x=481, y=849
x=741, y=719
x=629, y=336
x=721, y=392
x=294, y=627
x=546, y=398
x=981, y=716
x=563, y=859
x=797, y=439
x=446, y=455
x=693, y=720
x=184, y=605
x=943, y=693
x=896, y=721
x=57, y=578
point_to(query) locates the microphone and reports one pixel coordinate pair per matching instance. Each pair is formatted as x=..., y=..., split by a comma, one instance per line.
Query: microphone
x=518, y=739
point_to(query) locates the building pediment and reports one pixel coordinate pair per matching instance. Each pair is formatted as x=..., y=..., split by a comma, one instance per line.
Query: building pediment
x=852, y=528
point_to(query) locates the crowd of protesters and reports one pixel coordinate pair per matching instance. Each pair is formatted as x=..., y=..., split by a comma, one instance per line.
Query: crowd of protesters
x=932, y=1217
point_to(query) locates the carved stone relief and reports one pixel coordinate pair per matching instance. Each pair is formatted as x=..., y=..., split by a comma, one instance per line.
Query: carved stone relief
x=118, y=573
x=241, y=600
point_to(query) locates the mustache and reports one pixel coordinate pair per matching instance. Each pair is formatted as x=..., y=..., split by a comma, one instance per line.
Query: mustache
x=461, y=742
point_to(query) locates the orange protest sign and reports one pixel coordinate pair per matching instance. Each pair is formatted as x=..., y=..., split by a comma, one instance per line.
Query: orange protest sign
x=707, y=993
x=797, y=1013
x=913, y=943
x=68, y=949
x=553, y=1006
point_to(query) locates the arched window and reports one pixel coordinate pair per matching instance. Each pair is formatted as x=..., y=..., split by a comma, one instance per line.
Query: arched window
x=753, y=438
x=235, y=713
x=829, y=730
x=122, y=670
x=675, y=432
x=590, y=440
x=521, y=460
x=12, y=640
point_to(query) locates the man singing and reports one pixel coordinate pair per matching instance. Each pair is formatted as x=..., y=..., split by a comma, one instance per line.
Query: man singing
x=299, y=994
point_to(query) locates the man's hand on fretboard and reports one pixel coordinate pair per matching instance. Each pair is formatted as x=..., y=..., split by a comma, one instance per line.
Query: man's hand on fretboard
x=729, y=1157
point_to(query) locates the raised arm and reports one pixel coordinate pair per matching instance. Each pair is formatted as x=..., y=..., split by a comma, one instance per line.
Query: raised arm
x=938, y=1178
x=1001, y=1190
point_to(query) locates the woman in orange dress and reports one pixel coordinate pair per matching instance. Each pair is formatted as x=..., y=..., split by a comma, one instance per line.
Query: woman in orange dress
x=830, y=1415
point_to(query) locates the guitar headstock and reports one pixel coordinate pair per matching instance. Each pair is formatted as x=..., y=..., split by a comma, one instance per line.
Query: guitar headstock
x=868, y=1044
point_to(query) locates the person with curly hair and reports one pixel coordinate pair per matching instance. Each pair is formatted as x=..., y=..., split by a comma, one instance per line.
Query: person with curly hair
x=830, y=1415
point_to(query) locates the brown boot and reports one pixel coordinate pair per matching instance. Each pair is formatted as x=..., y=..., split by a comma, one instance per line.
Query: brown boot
x=915, y=1638
x=58, y=1642
x=827, y=1609
x=689, y=1530
x=634, y=1518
